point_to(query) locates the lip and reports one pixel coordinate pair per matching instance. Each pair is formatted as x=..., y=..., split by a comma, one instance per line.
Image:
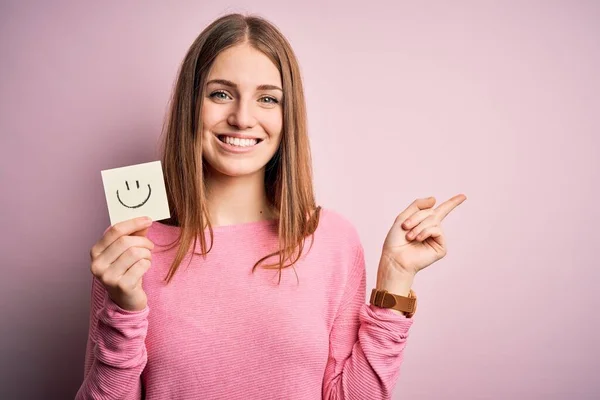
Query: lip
x=238, y=135
x=237, y=150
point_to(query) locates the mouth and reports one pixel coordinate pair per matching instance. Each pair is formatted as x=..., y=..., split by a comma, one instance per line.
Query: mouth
x=239, y=142
x=136, y=206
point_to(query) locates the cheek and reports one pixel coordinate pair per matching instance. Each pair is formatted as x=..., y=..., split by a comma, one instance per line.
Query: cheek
x=210, y=114
x=273, y=125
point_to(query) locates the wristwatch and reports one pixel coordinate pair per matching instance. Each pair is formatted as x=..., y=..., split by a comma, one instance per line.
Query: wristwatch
x=384, y=299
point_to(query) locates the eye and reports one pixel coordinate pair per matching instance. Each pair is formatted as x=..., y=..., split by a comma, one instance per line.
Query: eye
x=269, y=100
x=219, y=94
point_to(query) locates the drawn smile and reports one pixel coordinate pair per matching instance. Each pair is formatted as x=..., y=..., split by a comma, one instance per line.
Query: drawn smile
x=138, y=205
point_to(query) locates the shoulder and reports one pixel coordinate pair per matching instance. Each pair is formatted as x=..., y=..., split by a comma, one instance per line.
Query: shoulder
x=334, y=224
x=339, y=243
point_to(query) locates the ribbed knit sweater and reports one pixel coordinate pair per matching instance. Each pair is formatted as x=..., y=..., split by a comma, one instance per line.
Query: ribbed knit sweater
x=219, y=331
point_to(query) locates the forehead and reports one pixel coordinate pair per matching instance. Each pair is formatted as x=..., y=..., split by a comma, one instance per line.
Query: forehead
x=245, y=66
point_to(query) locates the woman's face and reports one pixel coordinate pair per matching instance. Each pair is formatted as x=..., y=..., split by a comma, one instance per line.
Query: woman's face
x=242, y=114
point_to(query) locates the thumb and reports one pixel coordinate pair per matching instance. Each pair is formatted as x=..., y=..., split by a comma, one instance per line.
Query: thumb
x=143, y=232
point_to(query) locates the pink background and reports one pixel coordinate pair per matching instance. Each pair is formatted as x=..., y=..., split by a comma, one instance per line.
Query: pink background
x=498, y=100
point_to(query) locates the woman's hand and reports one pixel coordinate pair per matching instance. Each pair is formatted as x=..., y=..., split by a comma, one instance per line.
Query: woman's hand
x=120, y=259
x=416, y=240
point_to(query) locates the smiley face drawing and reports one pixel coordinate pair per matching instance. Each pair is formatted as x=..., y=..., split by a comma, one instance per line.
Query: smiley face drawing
x=137, y=190
x=137, y=205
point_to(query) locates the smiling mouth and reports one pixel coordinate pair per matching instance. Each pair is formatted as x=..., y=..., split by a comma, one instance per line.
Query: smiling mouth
x=139, y=205
x=238, y=142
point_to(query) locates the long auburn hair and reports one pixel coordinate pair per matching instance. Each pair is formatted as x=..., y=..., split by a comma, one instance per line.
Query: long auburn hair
x=288, y=175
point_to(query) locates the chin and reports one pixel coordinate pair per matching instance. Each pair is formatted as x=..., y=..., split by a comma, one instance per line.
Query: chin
x=235, y=169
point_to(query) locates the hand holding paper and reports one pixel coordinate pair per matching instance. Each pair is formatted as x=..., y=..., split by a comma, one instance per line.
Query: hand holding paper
x=123, y=254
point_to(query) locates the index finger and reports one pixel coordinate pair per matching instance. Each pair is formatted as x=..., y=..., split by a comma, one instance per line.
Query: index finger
x=446, y=207
x=119, y=229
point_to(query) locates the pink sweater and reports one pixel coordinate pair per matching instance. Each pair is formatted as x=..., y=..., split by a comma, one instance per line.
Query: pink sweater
x=217, y=331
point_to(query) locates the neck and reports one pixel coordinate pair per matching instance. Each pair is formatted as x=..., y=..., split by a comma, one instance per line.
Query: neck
x=237, y=200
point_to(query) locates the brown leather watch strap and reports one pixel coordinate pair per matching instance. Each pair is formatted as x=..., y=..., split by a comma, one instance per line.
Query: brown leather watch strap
x=384, y=299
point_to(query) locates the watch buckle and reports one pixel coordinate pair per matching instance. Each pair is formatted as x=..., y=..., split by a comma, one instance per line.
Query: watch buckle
x=379, y=296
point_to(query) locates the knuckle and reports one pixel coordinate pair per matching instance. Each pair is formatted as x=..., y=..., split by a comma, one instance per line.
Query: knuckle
x=144, y=252
x=118, y=230
x=122, y=241
x=138, y=252
x=95, y=269
x=131, y=252
x=143, y=266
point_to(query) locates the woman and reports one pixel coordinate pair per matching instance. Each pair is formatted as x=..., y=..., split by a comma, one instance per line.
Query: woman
x=219, y=314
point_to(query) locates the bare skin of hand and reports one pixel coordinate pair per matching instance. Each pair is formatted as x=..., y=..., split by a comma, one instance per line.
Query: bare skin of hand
x=416, y=240
x=119, y=260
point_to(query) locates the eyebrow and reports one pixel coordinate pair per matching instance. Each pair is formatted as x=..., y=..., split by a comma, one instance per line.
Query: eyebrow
x=233, y=85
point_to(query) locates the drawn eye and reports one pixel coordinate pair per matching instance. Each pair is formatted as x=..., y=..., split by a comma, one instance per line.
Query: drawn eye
x=136, y=182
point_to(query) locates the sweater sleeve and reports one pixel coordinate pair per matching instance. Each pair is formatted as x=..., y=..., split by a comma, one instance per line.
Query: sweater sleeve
x=115, y=352
x=366, y=344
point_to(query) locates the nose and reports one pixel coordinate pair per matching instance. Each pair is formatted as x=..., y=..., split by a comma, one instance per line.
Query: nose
x=242, y=116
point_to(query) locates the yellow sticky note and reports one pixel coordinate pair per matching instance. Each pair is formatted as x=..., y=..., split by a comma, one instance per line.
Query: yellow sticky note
x=136, y=191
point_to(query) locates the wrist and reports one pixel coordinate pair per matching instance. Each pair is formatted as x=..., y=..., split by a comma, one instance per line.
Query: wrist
x=394, y=281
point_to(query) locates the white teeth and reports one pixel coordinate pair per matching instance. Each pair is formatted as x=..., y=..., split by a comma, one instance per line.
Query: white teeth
x=240, y=142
